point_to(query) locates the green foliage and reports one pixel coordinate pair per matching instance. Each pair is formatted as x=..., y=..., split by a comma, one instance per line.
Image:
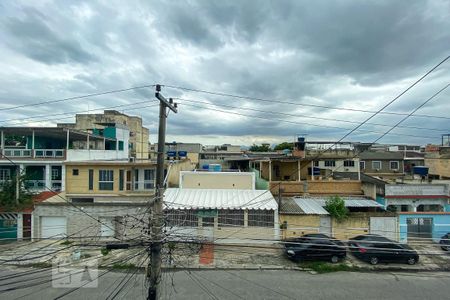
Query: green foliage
x=8, y=194
x=283, y=146
x=66, y=242
x=259, y=148
x=105, y=251
x=324, y=267
x=336, y=208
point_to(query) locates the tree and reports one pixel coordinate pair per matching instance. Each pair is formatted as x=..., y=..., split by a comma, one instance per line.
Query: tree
x=8, y=194
x=336, y=208
x=261, y=148
x=284, y=145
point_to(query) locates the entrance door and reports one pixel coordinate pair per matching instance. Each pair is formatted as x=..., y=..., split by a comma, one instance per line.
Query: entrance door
x=325, y=225
x=26, y=222
x=419, y=227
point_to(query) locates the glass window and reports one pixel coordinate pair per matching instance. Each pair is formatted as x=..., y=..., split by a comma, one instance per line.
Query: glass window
x=121, y=180
x=330, y=163
x=394, y=165
x=75, y=172
x=376, y=165
x=316, y=163
x=55, y=174
x=106, y=180
x=362, y=165
x=181, y=218
x=349, y=163
x=5, y=174
x=91, y=179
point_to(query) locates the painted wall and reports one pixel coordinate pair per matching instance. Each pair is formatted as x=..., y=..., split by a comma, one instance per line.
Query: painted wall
x=331, y=187
x=441, y=224
x=218, y=180
x=82, y=155
x=298, y=225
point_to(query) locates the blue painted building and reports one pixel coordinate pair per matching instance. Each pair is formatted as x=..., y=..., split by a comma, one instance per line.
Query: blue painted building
x=423, y=225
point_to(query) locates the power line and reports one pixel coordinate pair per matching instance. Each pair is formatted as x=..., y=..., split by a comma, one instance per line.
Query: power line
x=77, y=97
x=303, y=116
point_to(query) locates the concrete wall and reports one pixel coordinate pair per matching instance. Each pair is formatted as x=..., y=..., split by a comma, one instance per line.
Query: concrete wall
x=438, y=165
x=85, y=225
x=355, y=224
x=298, y=225
x=177, y=167
x=83, y=155
x=218, y=180
x=332, y=187
x=369, y=190
x=385, y=167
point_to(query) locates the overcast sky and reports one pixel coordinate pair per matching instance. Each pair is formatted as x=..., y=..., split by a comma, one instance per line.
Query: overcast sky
x=346, y=54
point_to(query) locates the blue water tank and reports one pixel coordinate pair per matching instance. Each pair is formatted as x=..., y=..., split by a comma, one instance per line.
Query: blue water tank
x=215, y=168
x=420, y=170
x=171, y=153
x=182, y=153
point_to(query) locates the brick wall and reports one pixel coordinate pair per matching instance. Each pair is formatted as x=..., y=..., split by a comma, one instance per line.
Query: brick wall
x=332, y=187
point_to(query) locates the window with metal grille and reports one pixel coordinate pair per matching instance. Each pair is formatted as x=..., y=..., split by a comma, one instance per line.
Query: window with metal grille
x=55, y=174
x=180, y=218
x=394, y=165
x=149, y=179
x=5, y=174
x=362, y=165
x=260, y=218
x=376, y=165
x=349, y=163
x=106, y=180
x=330, y=163
x=231, y=218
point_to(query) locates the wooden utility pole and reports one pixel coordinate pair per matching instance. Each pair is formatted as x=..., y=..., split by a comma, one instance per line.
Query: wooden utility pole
x=156, y=217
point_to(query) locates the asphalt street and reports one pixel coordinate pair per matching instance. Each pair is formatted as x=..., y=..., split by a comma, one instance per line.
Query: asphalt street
x=212, y=284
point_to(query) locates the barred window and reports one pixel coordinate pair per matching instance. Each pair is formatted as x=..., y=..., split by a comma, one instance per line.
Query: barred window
x=231, y=218
x=349, y=163
x=330, y=163
x=177, y=217
x=261, y=218
x=106, y=180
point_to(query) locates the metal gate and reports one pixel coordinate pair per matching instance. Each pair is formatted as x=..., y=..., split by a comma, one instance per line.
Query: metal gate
x=385, y=226
x=325, y=225
x=419, y=227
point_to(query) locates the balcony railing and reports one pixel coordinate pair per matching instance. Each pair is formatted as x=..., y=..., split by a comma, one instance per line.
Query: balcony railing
x=36, y=153
x=146, y=185
x=35, y=184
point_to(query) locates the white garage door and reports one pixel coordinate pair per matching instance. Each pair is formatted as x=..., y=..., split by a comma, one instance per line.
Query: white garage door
x=53, y=227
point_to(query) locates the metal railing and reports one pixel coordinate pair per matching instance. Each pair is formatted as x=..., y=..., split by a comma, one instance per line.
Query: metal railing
x=146, y=185
x=35, y=184
x=17, y=152
x=36, y=153
x=48, y=153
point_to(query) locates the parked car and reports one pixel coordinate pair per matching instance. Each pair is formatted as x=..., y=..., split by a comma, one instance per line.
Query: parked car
x=445, y=242
x=322, y=236
x=315, y=248
x=375, y=249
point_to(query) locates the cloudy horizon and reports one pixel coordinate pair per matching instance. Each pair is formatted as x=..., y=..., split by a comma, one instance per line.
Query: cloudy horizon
x=349, y=55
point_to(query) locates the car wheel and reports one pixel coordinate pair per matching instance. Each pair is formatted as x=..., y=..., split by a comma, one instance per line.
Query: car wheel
x=334, y=259
x=411, y=261
x=373, y=260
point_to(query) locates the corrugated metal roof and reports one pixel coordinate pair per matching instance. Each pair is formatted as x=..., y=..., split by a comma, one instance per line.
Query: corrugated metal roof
x=349, y=201
x=175, y=198
x=310, y=206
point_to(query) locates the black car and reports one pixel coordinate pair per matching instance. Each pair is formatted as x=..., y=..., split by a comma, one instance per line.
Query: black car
x=314, y=248
x=445, y=242
x=375, y=249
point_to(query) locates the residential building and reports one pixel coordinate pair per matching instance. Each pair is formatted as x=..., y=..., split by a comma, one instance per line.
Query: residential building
x=423, y=227
x=218, y=155
x=179, y=151
x=437, y=159
x=38, y=153
x=138, y=135
x=382, y=164
x=302, y=215
x=217, y=180
x=221, y=215
x=417, y=197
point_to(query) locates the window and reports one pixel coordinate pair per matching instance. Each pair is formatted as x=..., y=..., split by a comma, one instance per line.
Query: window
x=393, y=165
x=120, y=145
x=149, y=177
x=349, y=163
x=181, y=218
x=82, y=200
x=55, y=174
x=5, y=174
x=121, y=180
x=260, y=218
x=136, y=179
x=376, y=165
x=231, y=218
x=330, y=163
x=316, y=163
x=106, y=180
x=91, y=179
x=362, y=165
x=75, y=172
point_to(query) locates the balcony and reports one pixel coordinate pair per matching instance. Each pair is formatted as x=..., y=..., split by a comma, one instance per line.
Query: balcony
x=141, y=186
x=35, y=185
x=36, y=153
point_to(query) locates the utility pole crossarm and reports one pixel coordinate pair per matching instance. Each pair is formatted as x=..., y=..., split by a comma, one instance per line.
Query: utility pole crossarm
x=169, y=104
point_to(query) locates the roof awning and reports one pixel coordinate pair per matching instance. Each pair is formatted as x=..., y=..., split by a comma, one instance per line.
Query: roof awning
x=179, y=198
